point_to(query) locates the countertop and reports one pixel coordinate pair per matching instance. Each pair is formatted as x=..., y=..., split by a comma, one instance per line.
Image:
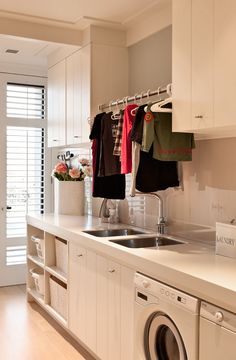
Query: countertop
x=192, y=267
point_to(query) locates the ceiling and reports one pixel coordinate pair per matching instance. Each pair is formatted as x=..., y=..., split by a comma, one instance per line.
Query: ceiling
x=76, y=13
x=72, y=14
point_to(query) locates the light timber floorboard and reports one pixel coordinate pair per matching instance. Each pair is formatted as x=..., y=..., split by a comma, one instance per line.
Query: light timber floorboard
x=27, y=332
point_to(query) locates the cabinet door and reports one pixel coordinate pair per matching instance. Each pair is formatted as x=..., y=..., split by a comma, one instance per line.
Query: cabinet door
x=91, y=300
x=108, y=309
x=73, y=98
x=202, y=64
x=114, y=311
x=225, y=60
x=102, y=307
x=181, y=65
x=127, y=312
x=77, y=291
x=86, y=92
x=56, y=105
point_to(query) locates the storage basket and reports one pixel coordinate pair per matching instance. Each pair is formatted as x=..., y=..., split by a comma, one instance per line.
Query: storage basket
x=39, y=243
x=61, y=254
x=58, y=294
x=38, y=277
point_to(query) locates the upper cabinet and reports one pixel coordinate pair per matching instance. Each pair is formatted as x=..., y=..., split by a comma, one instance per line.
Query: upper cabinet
x=69, y=100
x=77, y=97
x=57, y=105
x=204, y=74
x=77, y=84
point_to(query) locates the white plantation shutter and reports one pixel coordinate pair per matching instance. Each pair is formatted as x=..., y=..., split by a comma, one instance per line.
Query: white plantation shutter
x=25, y=101
x=25, y=166
x=25, y=176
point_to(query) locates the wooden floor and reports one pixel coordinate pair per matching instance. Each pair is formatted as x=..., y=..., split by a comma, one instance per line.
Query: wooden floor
x=28, y=333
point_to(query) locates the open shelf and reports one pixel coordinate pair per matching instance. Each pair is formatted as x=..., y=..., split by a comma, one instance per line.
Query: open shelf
x=53, y=270
x=37, y=297
x=40, y=300
x=55, y=314
x=35, y=259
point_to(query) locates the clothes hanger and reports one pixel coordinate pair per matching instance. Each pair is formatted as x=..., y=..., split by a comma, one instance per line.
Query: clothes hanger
x=147, y=108
x=158, y=106
x=116, y=114
x=134, y=110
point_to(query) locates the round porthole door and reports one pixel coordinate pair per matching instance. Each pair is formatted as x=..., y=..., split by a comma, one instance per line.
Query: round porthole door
x=163, y=340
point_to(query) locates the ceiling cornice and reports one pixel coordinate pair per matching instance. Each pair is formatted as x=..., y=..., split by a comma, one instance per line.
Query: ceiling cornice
x=37, y=31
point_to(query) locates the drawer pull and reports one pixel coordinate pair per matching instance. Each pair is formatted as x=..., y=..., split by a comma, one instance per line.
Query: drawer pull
x=198, y=116
x=80, y=255
x=111, y=270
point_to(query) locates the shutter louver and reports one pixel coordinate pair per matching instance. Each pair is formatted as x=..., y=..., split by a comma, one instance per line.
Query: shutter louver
x=24, y=164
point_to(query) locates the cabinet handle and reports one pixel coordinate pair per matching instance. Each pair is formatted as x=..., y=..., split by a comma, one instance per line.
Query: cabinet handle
x=55, y=140
x=198, y=116
x=77, y=136
x=111, y=270
x=80, y=255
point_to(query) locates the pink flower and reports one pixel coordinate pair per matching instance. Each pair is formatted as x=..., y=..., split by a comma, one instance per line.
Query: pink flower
x=88, y=170
x=74, y=173
x=84, y=162
x=61, y=168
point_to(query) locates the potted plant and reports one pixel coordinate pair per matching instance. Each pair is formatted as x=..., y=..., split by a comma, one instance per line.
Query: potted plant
x=69, y=187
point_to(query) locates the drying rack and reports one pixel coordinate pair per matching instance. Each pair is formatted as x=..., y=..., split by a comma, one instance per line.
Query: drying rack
x=130, y=99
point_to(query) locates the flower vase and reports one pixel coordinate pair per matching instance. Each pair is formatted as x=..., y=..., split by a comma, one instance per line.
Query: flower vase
x=68, y=197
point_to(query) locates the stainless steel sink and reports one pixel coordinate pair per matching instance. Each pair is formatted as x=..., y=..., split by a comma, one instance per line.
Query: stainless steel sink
x=113, y=232
x=151, y=242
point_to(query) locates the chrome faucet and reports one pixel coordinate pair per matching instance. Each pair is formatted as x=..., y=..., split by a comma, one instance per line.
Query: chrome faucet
x=104, y=211
x=161, y=222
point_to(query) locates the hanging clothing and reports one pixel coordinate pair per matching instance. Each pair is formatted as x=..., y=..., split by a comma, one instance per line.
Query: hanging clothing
x=118, y=139
x=109, y=187
x=109, y=164
x=167, y=145
x=136, y=138
x=126, y=144
x=154, y=175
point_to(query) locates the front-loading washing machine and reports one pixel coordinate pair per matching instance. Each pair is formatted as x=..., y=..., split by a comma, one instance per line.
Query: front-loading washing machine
x=166, y=322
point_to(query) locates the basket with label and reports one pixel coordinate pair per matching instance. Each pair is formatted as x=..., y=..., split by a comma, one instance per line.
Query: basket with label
x=58, y=295
x=39, y=244
x=38, y=277
x=226, y=240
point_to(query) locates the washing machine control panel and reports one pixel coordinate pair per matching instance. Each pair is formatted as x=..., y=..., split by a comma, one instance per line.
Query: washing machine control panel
x=159, y=290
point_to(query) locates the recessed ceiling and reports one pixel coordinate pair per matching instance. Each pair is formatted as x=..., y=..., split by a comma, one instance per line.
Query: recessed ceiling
x=73, y=14
x=31, y=52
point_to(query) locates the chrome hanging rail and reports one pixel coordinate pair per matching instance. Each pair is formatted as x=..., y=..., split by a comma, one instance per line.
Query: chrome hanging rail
x=131, y=99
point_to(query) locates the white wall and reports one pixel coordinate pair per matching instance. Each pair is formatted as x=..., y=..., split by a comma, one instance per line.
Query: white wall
x=150, y=62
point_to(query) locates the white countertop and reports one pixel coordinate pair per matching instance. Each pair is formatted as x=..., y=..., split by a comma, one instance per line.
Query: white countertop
x=193, y=267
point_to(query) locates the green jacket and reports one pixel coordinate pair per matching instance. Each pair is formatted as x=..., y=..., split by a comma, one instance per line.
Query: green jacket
x=167, y=145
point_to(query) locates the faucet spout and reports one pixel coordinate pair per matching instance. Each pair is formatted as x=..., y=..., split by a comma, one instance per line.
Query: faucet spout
x=104, y=211
x=161, y=222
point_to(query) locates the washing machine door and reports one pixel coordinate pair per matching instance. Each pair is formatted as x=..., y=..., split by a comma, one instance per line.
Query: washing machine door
x=163, y=340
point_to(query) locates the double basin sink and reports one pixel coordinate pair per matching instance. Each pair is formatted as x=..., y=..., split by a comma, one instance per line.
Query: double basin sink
x=142, y=241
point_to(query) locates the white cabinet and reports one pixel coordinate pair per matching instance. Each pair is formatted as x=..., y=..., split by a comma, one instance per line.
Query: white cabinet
x=101, y=297
x=108, y=309
x=78, y=97
x=82, y=298
x=57, y=105
x=202, y=64
x=224, y=64
x=93, y=75
x=204, y=67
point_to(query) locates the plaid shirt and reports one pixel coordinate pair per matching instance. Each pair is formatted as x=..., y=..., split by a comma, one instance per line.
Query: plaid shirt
x=117, y=145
